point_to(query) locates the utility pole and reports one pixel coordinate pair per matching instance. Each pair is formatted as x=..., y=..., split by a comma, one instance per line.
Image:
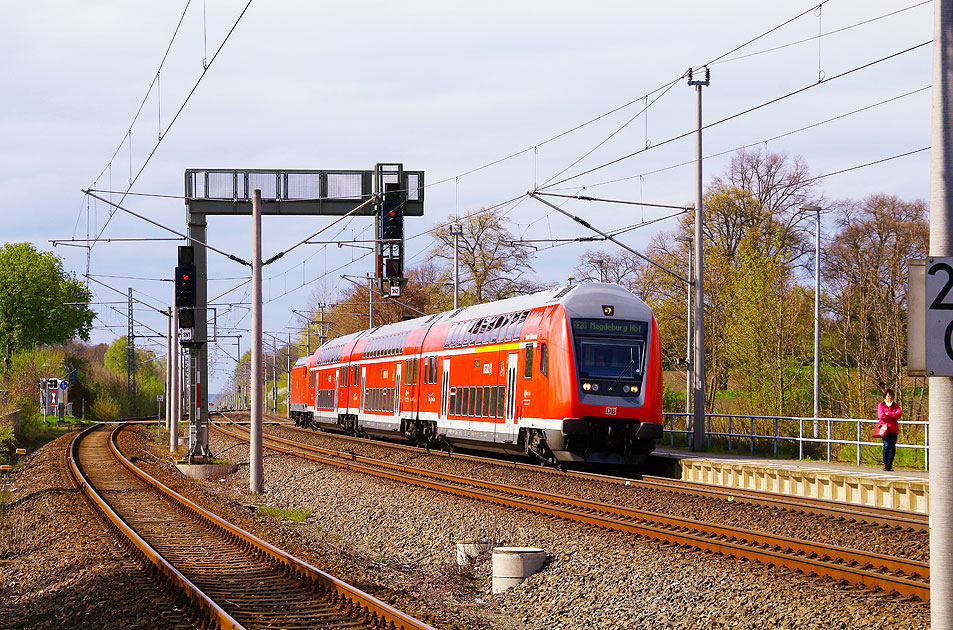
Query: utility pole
x=370, y=302
x=131, y=358
x=456, y=231
x=168, y=369
x=941, y=387
x=698, y=365
x=175, y=410
x=322, y=335
x=255, y=480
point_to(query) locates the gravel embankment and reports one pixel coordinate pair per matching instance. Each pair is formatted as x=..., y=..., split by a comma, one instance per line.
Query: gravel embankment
x=594, y=579
x=58, y=566
x=397, y=542
x=885, y=540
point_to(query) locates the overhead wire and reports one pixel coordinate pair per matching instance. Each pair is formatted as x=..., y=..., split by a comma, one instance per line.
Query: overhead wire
x=760, y=142
x=742, y=113
x=162, y=134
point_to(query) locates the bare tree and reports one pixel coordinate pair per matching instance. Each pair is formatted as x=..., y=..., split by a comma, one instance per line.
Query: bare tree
x=866, y=280
x=492, y=265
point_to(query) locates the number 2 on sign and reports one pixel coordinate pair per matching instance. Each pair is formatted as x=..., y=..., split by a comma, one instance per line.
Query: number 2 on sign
x=939, y=303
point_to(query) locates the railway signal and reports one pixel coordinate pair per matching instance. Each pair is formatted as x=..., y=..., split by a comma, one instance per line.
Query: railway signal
x=392, y=213
x=185, y=285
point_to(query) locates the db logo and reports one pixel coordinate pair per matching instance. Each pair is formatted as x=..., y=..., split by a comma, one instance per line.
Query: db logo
x=611, y=411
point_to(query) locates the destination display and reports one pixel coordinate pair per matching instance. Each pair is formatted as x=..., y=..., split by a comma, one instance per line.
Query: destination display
x=610, y=328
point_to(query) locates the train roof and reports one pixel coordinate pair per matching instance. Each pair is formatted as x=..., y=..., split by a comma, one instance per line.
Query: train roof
x=581, y=300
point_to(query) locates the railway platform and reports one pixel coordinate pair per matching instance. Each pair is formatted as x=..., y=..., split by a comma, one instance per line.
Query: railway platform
x=865, y=485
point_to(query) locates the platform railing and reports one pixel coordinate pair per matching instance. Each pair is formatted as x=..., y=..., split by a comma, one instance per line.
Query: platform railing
x=763, y=434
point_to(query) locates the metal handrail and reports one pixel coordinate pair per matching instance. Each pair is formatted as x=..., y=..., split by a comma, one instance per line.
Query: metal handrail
x=747, y=433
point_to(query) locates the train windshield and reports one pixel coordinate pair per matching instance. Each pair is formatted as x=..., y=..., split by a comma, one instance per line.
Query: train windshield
x=610, y=349
x=601, y=359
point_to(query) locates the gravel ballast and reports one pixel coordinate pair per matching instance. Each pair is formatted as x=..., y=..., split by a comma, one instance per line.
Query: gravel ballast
x=398, y=542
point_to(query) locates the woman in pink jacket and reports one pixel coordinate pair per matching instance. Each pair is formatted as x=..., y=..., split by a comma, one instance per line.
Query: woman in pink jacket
x=889, y=412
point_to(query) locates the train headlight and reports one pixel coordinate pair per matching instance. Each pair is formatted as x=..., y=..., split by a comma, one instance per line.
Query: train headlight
x=586, y=386
x=625, y=389
x=635, y=389
x=595, y=387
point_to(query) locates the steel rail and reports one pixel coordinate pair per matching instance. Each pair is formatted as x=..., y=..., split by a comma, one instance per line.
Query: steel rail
x=360, y=604
x=890, y=517
x=212, y=612
x=907, y=577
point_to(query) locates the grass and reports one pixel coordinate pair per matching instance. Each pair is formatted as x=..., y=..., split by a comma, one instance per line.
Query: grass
x=295, y=516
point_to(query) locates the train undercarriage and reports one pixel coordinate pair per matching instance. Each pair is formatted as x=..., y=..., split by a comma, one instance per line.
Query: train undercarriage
x=580, y=440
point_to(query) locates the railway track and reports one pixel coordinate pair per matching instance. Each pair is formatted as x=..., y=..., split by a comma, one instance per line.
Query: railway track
x=224, y=576
x=872, y=515
x=905, y=577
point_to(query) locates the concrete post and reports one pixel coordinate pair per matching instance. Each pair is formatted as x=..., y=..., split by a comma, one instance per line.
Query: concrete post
x=941, y=387
x=698, y=364
x=256, y=479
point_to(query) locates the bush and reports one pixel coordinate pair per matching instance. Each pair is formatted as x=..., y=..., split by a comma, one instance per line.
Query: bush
x=8, y=442
x=672, y=401
x=105, y=409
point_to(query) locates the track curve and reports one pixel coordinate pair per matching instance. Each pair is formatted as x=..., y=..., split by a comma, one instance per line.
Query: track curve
x=225, y=576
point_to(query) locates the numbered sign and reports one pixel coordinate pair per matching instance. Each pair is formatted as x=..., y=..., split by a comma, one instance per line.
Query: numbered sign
x=939, y=317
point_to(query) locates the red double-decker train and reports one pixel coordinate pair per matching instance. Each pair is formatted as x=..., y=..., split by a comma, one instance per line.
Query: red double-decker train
x=566, y=375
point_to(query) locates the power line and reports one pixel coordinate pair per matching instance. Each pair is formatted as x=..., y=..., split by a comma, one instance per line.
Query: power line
x=854, y=168
x=162, y=135
x=742, y=113
x=828, y=33
x=760, y=142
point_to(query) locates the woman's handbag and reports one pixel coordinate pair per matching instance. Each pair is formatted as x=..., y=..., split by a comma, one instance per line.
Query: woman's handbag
x=880, y=430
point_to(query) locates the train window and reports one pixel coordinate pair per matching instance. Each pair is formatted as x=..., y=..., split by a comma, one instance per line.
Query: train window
x=486, y=401
x=413, y=372
x=507, y=334
x=500, y=401
x=495, y=330
x=464, y=404
x=492, y=413
x=478, y=406
x=433, y=368
x=451, y=408
x=471, y=402
x=485, y=328
x=519, y=324
x=528, y=362
x=449, y=337
x=543, y=360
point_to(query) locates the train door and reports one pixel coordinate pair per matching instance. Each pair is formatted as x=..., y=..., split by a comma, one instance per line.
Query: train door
x=397, y=375
x=445, y=390
x=509, y=426
x=363, y=381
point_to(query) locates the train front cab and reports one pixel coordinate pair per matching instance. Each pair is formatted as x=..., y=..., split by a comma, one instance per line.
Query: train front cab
x=609, y=388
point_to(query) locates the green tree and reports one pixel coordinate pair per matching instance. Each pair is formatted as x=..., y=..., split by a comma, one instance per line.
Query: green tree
x=150, y=380
x=761, y=338
x=35, y=301
x=756, y=204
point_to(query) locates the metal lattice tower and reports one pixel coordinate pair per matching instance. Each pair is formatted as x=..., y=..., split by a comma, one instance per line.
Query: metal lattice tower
x=130, y=357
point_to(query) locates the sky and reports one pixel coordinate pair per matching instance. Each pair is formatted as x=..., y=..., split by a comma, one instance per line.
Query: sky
x=491, y=100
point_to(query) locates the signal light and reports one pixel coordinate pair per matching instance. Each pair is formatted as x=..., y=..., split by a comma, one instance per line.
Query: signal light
x=185, y=286
x=392, y=213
